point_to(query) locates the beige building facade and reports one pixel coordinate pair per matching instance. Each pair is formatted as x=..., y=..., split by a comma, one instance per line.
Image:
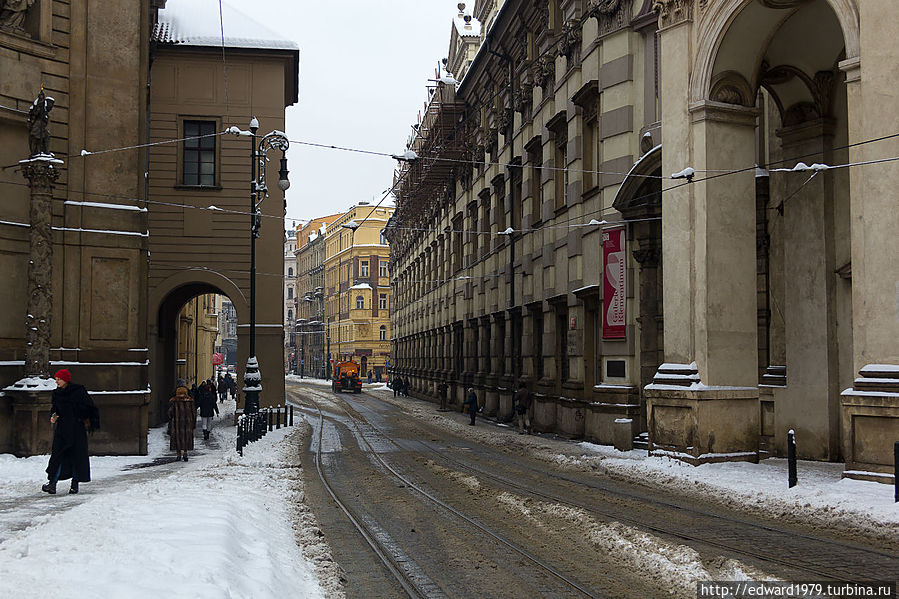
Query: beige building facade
x=664, y=273
x=198, y=334
x=83, y=305
x=357, y=288
x=200, y=220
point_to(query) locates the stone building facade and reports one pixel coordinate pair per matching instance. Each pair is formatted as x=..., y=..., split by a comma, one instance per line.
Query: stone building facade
x=200, y=218
x=357, y=288
x=598, y=209
x=92, y=59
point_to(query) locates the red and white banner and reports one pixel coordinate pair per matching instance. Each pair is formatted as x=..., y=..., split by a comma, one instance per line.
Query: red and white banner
x=614, y=288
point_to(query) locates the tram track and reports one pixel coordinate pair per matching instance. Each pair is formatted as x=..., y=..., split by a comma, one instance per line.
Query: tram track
x=778, y=538
x=790, y=552
x=412, y=585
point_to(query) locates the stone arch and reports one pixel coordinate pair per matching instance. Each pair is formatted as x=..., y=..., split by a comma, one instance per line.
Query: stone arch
x=716, y=22
x=165, y=301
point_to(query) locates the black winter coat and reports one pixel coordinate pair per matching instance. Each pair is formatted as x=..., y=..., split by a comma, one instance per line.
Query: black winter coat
x=207, y=404
x=73, y=406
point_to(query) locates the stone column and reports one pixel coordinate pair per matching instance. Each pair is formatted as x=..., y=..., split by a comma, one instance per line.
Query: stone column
x=31, y=396
x=870, y=407
x=709, y=254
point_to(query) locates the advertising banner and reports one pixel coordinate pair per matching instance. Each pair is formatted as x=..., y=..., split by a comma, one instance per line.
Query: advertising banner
x=614, y=288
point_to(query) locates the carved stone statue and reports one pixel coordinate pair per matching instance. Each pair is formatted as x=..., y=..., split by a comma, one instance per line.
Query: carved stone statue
x=38, y=118
x=13, y=13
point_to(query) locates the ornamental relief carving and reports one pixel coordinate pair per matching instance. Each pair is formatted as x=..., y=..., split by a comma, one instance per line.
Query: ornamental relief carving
x=672, y=12
x=570, y=40
x=612, y=15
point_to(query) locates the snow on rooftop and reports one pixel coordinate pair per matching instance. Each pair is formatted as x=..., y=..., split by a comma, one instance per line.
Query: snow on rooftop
x=470, y=29
x=196, y=23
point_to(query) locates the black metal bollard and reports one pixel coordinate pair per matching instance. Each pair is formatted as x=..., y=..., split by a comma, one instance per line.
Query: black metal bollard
x=791, y=458
x=240, y=435
x=270, y=419
x=291, y=415
x=896, y=471
x=278, y=417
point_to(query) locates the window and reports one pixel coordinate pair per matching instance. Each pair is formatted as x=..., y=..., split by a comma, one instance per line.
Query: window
x=289, y=272
x=382, y=301
x=560, y=174
x=360, y=302
x=382, y=333
x=290, y=315
x=363, y=268
x=383, y=238
x=290, y=293
x=590, y=140
x=382, y=268
x=198, y=161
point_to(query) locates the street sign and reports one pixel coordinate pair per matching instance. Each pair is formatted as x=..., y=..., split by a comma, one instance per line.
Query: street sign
x=218, y=359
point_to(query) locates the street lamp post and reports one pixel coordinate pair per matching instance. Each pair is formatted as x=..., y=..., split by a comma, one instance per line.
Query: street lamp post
x=258, y=191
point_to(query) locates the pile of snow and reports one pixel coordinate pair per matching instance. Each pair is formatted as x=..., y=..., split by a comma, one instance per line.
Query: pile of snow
x=220, y=525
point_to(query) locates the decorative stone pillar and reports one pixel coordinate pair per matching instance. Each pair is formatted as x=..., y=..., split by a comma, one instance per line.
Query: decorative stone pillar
x=31, y=396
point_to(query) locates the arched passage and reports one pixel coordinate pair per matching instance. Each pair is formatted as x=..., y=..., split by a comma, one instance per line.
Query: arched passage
x=166, y=302
x=750, y=280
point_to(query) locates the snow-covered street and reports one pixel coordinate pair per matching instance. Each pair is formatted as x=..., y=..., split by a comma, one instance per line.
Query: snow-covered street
x=225, y=525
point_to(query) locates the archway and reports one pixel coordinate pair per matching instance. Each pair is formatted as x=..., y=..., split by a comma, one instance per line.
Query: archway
x=166, y=302
x=793, y=80
x=752, y=255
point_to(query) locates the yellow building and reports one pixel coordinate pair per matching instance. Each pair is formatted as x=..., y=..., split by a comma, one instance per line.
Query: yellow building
x=357, y=288
x=197, y=333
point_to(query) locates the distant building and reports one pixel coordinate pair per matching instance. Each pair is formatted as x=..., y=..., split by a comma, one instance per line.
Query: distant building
x=309, y=329
x=357, y=288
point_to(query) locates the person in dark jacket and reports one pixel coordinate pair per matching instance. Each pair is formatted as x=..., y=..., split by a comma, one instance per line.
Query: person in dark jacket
x=472, y=404
x=192, y=392
x=183, y=419
x=222, y=388
x=522, y=402
x=229, y=385
x=406, y=386
x=442, y=390
x=208, y=407
x=74, y=414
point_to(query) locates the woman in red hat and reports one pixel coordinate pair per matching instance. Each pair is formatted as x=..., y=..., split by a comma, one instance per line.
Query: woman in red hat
x=74, y=413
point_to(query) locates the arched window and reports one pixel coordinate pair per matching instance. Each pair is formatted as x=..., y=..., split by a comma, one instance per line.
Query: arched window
x=360, y=302
x=289, y=272
x=290, y=293
x=290, y=316
x=382, y=334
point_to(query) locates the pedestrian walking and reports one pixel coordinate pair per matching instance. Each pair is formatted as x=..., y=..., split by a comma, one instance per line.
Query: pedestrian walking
x=232, y=387
x=397, y=385
x=183, y=417
x=522, y=402
x=472, y=404
x=223, y=389
x=406, y=386
x=208, y=408
x=369, y=377
x=192, y=392
x=442, y=390
x=74, y=414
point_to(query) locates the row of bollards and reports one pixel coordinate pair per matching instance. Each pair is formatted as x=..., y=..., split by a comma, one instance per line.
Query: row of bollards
x=252, y=427
x=792, y=479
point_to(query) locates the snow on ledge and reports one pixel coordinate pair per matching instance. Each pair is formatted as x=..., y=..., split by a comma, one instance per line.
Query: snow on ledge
x=32, y=383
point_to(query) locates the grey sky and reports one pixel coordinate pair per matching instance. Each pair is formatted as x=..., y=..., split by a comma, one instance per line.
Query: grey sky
x=363, y=69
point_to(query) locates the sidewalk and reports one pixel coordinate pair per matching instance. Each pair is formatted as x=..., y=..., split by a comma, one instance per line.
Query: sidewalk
x=823, y=499
x=219, y=525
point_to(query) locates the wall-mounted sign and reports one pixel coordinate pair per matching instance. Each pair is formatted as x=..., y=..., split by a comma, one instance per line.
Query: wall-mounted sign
x=573, y=324
x=614, y=289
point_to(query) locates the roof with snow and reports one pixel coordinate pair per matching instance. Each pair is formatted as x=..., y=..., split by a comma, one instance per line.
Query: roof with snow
x=196, y=23
x=470, y=29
